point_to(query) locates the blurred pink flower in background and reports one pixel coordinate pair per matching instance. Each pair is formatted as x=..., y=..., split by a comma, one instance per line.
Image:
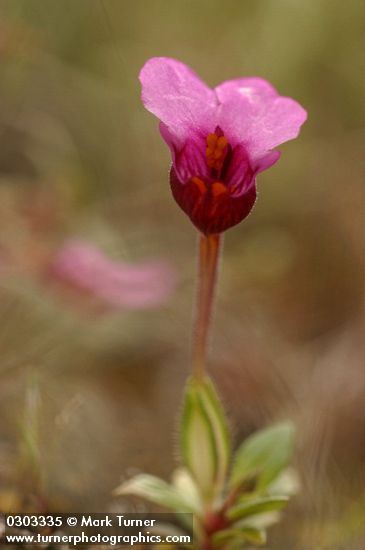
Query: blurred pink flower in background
x=118, y=284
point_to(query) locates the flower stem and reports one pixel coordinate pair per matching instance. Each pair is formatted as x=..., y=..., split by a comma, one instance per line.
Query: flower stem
x=209, y=248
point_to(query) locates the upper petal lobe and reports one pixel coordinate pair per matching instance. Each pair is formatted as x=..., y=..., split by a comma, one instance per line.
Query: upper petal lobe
x=177, y=96
x=253, y=113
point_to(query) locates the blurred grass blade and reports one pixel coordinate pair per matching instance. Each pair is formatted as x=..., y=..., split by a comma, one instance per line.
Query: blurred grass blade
x=31, y=429
x=263, y=455
x=30, y=467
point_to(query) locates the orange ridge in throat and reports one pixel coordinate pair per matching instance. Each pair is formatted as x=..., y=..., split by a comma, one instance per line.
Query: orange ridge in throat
x=216, y=150
x=200, y=185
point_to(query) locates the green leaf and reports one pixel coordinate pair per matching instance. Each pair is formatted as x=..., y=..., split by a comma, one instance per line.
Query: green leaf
x=260, y=521
x=287, y=483
x=244, y=534
x=155, y=490
x=183, y=482
x=197, y=442
x=263, y=455
x=220, y=429
x=247, y=507
x=205, y=445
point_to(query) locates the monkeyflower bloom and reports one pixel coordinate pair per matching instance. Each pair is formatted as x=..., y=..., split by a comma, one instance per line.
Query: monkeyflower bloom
x=117, y=284
x=220, y=139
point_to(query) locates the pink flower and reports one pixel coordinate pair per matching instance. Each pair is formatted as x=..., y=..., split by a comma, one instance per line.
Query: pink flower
x=219, y=139
x=118, y=284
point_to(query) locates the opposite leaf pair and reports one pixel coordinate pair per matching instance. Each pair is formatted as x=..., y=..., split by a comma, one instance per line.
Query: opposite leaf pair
x=233, y=500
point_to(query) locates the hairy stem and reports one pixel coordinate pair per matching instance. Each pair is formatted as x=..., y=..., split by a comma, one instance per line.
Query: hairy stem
x=209, y=248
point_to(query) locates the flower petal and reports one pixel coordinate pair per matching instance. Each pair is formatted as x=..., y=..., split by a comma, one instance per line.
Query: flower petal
x=251, y=112
x=190, y=161
x=266, y=161
x=239, y=176
x=177, y=96
x=253, y=88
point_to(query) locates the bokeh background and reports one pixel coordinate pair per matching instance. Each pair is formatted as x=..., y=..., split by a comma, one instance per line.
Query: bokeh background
x=89, y=392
